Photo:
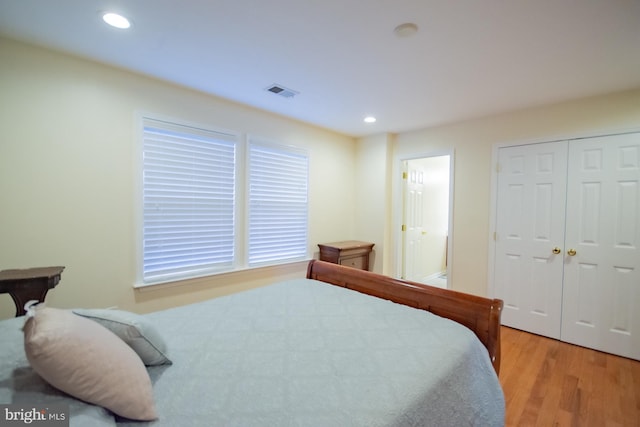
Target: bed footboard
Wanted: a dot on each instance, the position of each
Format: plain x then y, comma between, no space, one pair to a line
481,315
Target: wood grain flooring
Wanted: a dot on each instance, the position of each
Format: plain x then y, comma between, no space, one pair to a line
551,383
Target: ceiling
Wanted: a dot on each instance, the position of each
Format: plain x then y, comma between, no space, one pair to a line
468,59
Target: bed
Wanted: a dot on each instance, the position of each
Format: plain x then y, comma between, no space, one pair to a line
341,347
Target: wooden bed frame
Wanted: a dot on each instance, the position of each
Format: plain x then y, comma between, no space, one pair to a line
481,315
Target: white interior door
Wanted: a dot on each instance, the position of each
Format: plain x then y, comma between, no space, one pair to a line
602,279
530,215
414,223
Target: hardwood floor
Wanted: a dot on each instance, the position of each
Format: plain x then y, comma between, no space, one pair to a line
551,383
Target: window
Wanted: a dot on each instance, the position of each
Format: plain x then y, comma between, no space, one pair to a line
277,204
198,219
188,201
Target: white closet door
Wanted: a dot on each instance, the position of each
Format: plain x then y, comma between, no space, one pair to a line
530,215
601,303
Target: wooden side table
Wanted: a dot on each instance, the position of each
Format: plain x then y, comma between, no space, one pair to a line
28,284
351,253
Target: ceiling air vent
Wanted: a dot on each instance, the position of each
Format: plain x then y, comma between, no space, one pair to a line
282,91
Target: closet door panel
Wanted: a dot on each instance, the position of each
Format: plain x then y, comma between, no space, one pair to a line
529,225
601,298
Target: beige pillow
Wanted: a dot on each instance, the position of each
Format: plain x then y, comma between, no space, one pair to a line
89,362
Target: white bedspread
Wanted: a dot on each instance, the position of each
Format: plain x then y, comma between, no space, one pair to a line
306,353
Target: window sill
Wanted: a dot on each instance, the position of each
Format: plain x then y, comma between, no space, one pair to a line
249,272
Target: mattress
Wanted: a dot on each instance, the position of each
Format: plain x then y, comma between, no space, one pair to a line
297,353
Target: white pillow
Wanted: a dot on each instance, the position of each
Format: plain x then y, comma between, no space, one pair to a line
89,362
133,329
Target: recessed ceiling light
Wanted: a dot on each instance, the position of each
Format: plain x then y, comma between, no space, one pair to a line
116,20
369,119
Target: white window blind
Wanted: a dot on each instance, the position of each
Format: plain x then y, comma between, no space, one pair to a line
278,181
188,201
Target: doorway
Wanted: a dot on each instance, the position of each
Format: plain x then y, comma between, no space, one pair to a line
426,219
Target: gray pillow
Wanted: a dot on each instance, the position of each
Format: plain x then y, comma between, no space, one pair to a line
133,329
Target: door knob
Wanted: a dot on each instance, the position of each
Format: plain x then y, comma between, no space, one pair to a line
556,250
571,252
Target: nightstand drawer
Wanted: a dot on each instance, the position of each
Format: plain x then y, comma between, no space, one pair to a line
355,262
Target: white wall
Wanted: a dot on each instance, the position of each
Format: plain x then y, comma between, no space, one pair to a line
373,208
67,183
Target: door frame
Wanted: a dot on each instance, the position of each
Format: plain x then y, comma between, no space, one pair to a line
398,208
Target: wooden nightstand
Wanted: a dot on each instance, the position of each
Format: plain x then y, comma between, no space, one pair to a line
28,284
351,253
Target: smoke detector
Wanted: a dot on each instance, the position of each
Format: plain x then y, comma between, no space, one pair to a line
407,29
282,91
